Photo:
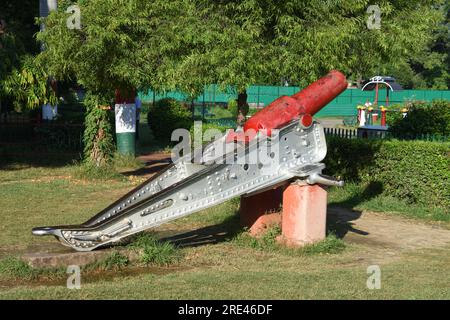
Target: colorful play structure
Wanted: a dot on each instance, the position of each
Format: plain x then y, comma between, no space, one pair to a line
373,109
369,113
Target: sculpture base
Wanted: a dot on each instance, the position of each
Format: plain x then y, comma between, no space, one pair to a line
303,220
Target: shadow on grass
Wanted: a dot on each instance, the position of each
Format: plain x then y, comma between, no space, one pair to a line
373,189
221,232
28,157
339,221
147,170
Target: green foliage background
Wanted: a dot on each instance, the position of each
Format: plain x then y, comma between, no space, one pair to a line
29,85
166,116
422,119
185,44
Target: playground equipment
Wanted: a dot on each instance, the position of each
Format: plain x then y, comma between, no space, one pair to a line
283,134
372,114
377,81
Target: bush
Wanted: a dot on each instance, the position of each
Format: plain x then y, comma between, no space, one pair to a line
394,114
233,107
422,119
414,171
167,115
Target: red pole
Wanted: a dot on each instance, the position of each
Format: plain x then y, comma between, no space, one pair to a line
376,94
383,116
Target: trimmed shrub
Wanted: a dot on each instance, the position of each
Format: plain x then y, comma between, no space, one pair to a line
414,171
167,115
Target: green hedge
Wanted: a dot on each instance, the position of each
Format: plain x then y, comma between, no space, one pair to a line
415,171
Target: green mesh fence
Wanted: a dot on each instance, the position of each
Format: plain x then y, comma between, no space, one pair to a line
344,105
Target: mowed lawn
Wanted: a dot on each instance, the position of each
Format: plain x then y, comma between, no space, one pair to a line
221,269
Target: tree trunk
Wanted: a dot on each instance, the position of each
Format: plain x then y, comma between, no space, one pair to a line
242,107
359,81
193,108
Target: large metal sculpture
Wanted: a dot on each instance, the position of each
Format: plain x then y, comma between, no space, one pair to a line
284,132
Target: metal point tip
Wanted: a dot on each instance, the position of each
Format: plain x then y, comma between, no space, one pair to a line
43,231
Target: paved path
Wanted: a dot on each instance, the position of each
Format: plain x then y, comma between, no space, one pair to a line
330,122
385,236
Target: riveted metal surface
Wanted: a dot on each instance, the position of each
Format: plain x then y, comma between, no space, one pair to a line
172,195
226,169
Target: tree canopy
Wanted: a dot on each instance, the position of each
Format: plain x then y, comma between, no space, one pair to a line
17,29
299,41
121,43
185,44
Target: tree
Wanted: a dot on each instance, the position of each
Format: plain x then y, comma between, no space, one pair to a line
23,81
185,44
433,63
21,24
30,85
10,50
247,42
122,44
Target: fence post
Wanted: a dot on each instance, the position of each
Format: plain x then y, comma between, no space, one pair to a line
257,99
203,104
214,95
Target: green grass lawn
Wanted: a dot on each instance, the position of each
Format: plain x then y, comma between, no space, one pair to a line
217,262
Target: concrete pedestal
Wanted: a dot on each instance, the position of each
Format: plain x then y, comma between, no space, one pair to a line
303,220
304,214
257,212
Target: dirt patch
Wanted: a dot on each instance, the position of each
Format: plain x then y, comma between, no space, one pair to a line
384,237
155,157
154,163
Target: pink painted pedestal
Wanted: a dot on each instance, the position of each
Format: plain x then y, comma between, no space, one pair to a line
304,214
302,221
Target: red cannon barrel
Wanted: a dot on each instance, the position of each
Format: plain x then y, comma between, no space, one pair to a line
303,104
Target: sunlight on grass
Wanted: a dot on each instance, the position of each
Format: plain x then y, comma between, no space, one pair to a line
155,252
15,268
356,196
268,242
